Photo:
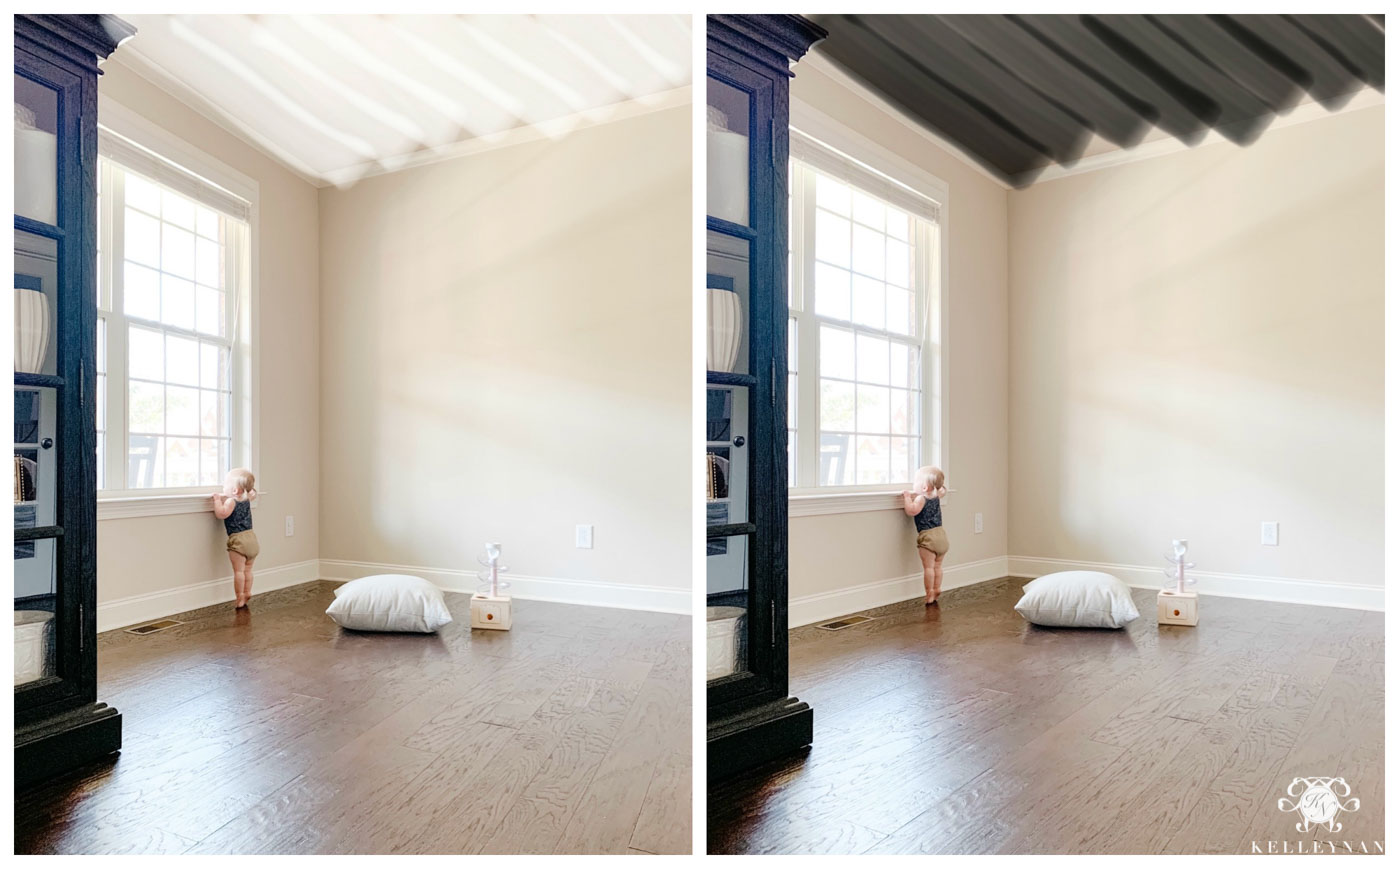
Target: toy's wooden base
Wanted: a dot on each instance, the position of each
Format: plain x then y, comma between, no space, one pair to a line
1177,608
490,613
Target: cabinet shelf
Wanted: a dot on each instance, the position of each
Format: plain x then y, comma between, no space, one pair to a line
730,378
44,532
26,379
35,227
733,530
728,227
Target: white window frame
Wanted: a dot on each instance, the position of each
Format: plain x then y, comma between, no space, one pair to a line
807,499
133,503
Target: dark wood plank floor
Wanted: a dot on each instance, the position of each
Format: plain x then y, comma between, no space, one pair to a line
962,729
274,731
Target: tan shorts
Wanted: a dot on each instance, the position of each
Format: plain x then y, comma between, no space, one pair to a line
245,544
934,540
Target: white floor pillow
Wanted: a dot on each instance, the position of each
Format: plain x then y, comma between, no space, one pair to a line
390,602
1078,599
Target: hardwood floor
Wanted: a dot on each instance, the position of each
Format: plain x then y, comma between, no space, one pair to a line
274,731
960,728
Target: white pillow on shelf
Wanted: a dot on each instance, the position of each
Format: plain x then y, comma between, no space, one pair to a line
389,602
1078,599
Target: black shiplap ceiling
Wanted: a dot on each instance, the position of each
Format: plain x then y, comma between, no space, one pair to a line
1023,92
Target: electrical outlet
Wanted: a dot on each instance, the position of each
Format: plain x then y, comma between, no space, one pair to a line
583,537
1270,534
976,523
291,525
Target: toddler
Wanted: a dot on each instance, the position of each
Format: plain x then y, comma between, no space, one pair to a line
924,504
234,505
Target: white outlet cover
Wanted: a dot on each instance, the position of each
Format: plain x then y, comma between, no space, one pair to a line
291,525
976,523
1270,534
584,537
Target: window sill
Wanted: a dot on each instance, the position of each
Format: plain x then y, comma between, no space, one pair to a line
140,506
831,503
843,502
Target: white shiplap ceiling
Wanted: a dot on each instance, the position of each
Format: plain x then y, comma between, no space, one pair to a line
338,97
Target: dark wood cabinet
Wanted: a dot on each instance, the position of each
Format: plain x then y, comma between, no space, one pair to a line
751,717
59,724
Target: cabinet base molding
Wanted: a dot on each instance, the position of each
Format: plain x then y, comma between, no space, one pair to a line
755,736
66,741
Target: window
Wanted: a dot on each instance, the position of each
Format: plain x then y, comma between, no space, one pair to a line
864,351
173,267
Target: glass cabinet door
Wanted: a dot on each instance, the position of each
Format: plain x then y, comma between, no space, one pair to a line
36,151
727,152
52,431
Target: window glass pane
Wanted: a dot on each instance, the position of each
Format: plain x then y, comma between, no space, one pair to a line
872,360
177,253
208,262
897,225
869,301
832,292
210,468
837,460
176,302
872,466
898,364
181,462
145,408
872,415
147,354
181,360
206,222
145,462
869,211
181,411
900,469
899,417
177,210
141,292
868,256
210,413
142,194
900,311
837,353
208,311
142,242
900,263
837,406
210,366
832,239
833,195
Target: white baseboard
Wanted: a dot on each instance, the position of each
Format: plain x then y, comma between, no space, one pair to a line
1313,592
574,591
134,610
811,608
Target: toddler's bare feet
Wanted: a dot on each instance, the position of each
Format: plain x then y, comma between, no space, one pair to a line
242,602
930,600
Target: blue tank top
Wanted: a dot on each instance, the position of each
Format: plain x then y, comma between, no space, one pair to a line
930,516
241,519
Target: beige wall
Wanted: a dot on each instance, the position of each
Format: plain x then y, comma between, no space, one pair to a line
505,353
148,555
1197,345
832,552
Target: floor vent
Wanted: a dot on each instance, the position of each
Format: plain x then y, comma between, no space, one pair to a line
842,624
153,627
